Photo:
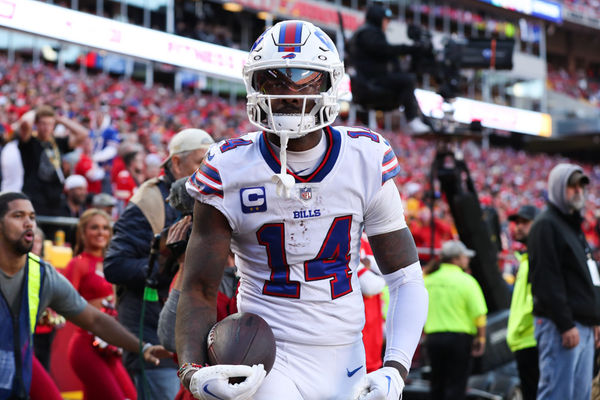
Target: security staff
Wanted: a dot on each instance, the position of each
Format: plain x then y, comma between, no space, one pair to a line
520,335
28,285
455,324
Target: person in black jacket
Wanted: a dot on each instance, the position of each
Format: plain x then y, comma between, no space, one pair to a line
127,259
565,285
377,65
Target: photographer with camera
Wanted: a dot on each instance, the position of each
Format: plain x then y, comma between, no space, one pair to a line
176,239
379,82
129,265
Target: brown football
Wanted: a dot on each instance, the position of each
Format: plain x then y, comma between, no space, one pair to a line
241,338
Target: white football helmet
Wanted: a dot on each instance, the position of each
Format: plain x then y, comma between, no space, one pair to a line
293,59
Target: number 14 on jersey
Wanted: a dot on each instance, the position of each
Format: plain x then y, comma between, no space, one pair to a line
330,263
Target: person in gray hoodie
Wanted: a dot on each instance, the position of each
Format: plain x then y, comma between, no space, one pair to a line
566,289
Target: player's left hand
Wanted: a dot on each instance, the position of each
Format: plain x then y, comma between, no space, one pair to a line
383,384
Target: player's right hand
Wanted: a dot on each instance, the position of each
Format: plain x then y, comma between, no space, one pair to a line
382,384
210,383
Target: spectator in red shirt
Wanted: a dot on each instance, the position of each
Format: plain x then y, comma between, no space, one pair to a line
88,168
421,230
128,180
96,363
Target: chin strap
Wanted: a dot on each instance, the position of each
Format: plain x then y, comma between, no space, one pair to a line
284,181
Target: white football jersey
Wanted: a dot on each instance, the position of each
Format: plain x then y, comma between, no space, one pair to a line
297,256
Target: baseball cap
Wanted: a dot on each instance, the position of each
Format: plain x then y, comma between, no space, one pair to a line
455,248
527,212
578,177
75,181
103,200
188,140
152,159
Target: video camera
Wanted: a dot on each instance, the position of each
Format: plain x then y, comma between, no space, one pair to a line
457,54
180,200
166,254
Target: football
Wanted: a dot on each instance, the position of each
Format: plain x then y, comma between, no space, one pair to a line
241,338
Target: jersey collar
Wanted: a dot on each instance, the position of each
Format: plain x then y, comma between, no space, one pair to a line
334,142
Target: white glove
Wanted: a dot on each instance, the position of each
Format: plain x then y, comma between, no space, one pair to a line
383,384
210,383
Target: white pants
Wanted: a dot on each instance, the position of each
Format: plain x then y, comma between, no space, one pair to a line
306,372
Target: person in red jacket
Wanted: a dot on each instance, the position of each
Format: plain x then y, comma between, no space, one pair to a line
97,364
128,179
89,168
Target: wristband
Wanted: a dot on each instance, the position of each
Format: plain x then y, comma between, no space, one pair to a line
481,339
146,346
481,321
185,368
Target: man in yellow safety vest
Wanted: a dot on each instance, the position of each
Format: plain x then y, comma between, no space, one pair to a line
520,336
27,285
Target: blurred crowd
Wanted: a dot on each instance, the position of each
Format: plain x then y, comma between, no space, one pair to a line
583,85
154,114
584,5
130,125
504,179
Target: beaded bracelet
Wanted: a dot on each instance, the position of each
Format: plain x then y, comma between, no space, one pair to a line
185,368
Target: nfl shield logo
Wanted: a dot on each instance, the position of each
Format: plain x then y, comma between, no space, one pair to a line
306,193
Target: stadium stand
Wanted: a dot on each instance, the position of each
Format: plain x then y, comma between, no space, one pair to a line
150,116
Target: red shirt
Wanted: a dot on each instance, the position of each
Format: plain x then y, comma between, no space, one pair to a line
422,235
124,186
83,166
373,329
85,273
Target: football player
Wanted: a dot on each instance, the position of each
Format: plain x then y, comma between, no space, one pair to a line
292,200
